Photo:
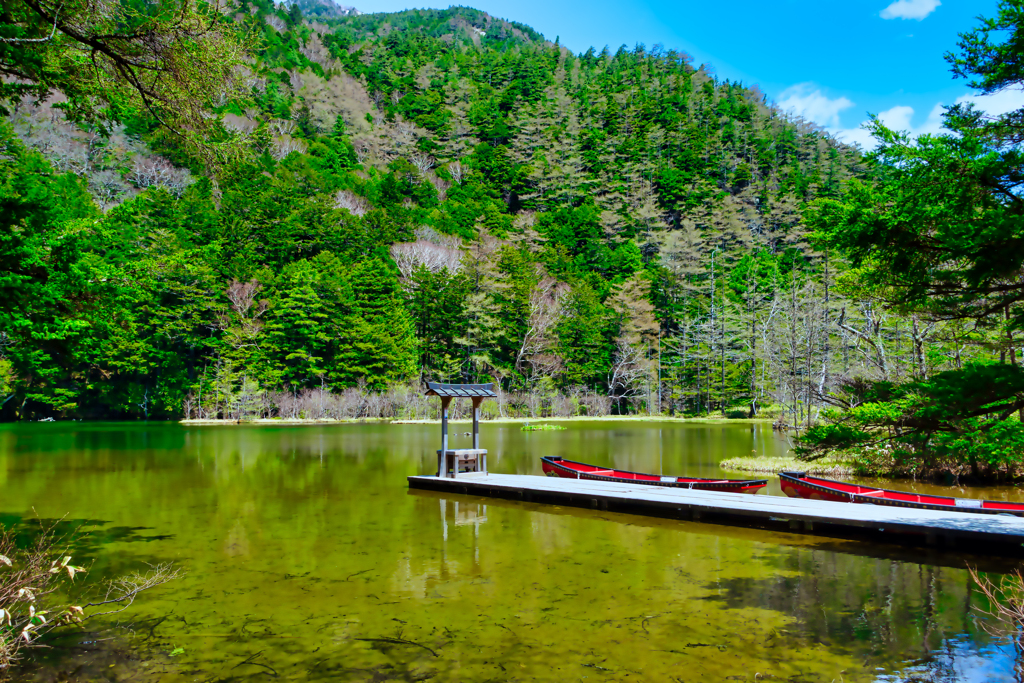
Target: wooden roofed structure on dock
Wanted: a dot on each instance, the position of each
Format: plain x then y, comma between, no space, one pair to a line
449,461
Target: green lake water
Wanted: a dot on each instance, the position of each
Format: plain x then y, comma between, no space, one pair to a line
309,558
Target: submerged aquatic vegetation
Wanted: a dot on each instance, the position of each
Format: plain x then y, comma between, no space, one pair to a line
540,428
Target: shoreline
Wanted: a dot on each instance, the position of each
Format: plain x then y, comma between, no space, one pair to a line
469,420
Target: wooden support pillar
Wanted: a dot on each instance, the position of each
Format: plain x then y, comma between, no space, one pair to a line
442,460
480,466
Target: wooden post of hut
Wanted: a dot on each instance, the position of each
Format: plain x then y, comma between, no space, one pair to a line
450,461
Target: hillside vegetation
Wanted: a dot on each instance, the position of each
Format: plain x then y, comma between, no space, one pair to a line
438,194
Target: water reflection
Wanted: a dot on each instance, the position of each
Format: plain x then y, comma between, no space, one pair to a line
959,660
309,558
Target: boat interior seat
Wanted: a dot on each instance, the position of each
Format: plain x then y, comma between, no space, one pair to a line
872,493
602,472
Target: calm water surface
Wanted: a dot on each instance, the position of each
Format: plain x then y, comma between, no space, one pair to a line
308,558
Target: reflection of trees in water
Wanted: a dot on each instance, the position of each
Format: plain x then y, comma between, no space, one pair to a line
876,608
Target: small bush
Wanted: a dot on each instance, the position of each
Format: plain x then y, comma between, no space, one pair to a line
32,577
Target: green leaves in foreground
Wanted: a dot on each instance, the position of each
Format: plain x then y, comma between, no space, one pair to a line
171,61
959,420
941,230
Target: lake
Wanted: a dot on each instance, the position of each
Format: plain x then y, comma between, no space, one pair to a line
308,558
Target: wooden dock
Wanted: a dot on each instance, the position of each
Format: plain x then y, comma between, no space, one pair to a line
989,534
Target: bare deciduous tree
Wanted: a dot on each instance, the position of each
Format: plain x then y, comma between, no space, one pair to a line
108,188
284,146
871,334
356,205
456,171
628,373
246,327
242,295
66,155
250,80
442,187
295,80
535,356
377,97
422,162
411,255
275,22
362,148
282,126
315,51
239,124
156,171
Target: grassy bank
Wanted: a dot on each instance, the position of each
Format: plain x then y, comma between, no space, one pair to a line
830,465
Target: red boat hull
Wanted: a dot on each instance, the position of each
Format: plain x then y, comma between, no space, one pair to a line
799,485
568,469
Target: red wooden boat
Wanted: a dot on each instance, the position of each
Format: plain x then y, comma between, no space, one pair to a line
799,485
560,467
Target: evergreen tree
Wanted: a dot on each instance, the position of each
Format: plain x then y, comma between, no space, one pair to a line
583,337
297,332
381,347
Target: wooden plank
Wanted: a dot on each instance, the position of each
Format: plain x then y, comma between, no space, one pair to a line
906,525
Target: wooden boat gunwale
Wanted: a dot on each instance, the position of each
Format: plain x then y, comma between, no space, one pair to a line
879,496
698,483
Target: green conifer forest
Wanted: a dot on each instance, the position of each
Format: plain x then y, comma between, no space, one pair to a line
353,203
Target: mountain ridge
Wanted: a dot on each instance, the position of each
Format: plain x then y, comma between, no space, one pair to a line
440,194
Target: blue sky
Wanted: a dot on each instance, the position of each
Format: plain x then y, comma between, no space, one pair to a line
831,61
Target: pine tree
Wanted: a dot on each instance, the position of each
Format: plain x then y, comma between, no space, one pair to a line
380,347
297,332
583,337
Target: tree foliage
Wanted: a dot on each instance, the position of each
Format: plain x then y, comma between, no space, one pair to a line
939,228
938,231
170,61
439,194
954,418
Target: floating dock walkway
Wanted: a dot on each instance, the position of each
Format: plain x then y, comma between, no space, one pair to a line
984,533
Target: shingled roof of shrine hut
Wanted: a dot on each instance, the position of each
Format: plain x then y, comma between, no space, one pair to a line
460,390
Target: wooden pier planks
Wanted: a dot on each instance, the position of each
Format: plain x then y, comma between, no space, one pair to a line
996,534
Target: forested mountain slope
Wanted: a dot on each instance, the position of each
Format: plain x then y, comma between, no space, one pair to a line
432,194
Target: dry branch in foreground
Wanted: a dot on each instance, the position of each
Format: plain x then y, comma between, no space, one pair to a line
30,580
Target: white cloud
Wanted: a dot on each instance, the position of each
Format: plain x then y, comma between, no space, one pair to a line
855,136
997,103
898,118
910,9
813,105
806,101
